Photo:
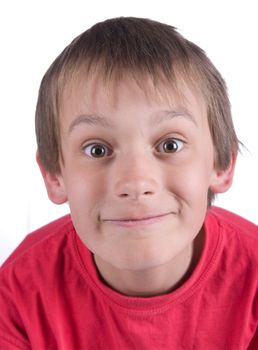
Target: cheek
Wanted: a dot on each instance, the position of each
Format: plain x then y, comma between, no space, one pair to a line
190,181
85,191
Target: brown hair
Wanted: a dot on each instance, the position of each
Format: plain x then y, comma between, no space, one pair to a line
138,47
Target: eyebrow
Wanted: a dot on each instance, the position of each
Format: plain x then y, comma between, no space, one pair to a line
94,119
171,114
90,119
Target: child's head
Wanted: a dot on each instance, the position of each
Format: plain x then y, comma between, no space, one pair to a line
134,130
141,49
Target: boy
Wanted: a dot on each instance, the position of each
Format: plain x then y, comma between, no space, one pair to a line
134,131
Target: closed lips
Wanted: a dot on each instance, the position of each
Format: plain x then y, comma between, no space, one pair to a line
136,219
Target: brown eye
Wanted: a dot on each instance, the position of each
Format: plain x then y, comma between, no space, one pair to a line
97,150
170,146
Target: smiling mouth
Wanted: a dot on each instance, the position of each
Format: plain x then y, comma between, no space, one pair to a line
134,222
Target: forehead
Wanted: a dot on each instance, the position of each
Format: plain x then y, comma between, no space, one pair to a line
93,94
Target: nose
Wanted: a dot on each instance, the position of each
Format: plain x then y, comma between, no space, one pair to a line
135,180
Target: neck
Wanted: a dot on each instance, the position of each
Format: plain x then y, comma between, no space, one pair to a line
156,280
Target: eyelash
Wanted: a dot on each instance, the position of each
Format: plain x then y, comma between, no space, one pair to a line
89,149
96,144
176,142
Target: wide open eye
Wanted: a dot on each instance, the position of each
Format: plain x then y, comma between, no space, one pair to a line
97,150
171,145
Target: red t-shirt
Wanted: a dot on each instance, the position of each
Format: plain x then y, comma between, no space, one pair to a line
51,296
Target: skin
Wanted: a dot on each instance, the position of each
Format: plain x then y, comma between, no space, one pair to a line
140,205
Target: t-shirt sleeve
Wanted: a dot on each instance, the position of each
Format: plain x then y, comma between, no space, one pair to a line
10,343
12,333
254,343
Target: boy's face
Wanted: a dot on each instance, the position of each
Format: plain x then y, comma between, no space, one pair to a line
136,172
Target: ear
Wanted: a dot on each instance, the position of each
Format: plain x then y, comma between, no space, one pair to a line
222,179
54,184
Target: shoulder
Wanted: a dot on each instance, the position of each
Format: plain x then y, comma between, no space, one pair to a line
49,235
239,236
237,258
31,276
44,257
233,222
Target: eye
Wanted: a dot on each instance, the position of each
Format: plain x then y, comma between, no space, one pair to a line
97,150
171,145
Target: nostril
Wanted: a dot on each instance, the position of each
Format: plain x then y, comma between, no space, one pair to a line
136,194
124,195
135,188
147,193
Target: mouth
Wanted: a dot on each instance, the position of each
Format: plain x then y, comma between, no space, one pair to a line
138,221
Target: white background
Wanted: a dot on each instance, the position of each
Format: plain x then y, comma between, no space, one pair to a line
32,34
